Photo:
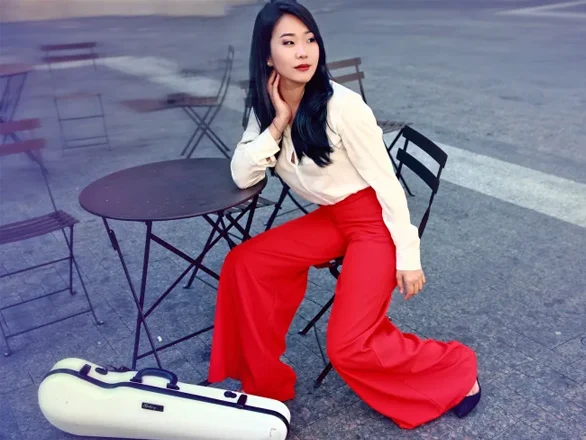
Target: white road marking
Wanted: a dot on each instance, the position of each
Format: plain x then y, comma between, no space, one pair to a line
550,10
547,194
165,73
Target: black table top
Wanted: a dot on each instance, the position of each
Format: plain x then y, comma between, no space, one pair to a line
169,190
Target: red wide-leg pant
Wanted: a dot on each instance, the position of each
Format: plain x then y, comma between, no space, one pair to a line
263,281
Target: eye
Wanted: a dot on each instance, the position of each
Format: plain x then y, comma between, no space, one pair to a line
287,43
311,40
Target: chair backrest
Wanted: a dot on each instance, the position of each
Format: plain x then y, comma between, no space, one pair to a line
226,77
345,78
54,53
245,85
431,179
84,78
30,146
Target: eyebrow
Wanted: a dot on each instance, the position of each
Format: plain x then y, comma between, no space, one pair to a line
290,34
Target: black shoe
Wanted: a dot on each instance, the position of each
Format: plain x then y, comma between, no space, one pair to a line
464,408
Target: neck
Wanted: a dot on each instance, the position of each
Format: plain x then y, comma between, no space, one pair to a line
292,93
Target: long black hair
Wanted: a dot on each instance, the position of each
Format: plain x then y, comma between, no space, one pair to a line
308,131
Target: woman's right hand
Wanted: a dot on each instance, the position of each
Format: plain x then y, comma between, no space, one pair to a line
282,110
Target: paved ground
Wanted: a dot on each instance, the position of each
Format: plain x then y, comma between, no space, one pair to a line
503,252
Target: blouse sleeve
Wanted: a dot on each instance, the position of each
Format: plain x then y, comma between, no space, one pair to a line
253,155
363,140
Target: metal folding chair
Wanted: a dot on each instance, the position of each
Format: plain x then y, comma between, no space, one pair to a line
212,106
57,57
431,179
37,226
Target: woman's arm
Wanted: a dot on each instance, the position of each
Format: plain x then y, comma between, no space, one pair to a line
254,153
363,141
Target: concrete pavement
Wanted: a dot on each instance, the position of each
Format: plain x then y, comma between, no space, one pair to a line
504,258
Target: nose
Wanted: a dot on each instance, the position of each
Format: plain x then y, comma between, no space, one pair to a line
301,52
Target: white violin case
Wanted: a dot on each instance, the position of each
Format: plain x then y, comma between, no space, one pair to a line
84,399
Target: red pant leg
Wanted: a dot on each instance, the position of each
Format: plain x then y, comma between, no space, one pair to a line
406,378
262,283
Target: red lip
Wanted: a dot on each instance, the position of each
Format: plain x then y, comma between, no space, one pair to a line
303,67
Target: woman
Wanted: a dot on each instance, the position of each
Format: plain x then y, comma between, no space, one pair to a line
323,141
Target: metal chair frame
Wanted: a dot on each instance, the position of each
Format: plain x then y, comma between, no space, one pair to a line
75,52
57,220
212,106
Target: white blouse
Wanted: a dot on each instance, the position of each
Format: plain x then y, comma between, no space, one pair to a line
359,160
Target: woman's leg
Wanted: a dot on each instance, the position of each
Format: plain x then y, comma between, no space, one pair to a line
262,283
408,379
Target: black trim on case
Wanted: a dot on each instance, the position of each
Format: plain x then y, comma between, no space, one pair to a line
240,404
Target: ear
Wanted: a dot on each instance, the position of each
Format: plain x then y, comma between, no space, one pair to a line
270,62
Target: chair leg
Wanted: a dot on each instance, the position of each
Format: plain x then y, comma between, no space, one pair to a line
277,207
317,317
71,291
299,205
104,122
8,351
70,244
191,279
323,375
208,245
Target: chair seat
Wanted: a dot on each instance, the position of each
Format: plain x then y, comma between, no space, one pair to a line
262,203
173,100
390,126
76,95
332,263
35,227
205,101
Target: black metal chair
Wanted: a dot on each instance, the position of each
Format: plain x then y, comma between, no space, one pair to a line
431,179
212,106
57,220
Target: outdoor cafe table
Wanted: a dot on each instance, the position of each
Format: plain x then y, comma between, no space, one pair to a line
170,191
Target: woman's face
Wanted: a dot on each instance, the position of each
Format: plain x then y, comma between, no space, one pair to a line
294,50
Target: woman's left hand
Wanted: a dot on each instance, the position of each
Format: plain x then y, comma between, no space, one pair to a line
410,282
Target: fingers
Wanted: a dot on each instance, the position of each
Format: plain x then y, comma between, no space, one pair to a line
400,283
271,82
276,87
412,285
411,290
273,87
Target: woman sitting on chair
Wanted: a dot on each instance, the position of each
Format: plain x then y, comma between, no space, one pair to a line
324,142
